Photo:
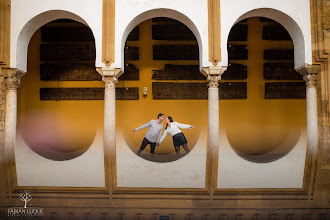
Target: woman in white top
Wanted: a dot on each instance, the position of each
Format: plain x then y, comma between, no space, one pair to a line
172,128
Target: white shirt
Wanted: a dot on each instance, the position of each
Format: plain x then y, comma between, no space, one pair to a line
173,129
154,132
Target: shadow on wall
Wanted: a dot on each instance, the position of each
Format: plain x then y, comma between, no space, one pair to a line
54,136
265,145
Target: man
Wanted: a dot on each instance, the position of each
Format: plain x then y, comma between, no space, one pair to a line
153,134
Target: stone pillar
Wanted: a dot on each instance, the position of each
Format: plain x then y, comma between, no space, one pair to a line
110,77
213,77
310,76
109,110
12,83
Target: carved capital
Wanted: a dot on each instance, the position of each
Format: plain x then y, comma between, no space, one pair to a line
13,78
110,82
213,74
310,74
109,75
12,83
311,80
213,81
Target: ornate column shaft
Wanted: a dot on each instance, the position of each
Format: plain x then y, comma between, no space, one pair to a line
213,77
310,76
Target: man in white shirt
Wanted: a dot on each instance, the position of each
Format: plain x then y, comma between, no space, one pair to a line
153,134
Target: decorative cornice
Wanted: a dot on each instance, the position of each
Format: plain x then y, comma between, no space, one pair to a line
108,32
214,26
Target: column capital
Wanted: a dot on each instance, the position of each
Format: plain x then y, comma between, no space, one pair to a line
109,81
109,75
311,80
213,74
13,78
310,74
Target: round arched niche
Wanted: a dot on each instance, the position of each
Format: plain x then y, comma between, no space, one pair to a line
154,71
32,26
301,40
269,122
167,14
51,121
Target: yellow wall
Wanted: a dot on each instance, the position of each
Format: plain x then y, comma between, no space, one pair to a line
253,125
72,124
257,125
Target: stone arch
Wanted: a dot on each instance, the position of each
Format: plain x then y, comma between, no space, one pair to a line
32,26
301,42
161,12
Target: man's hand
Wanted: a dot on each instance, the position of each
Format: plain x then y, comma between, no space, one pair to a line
134,130
192,126
157,144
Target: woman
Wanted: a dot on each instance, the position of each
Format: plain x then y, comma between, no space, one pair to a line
172,128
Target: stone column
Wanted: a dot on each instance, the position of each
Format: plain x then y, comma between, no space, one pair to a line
310,76
213,77
109,76
109,110
12,83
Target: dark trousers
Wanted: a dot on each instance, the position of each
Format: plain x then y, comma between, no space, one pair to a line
145,142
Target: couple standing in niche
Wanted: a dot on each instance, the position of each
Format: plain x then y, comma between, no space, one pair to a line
154,138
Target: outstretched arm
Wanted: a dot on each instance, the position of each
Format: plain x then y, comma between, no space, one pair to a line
183,126
143,126
163,136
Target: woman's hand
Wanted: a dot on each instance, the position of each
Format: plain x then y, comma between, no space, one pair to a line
192,126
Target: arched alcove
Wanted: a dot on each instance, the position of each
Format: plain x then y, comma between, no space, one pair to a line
55,120
161,55
31,27
162,12
302,53
269,123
